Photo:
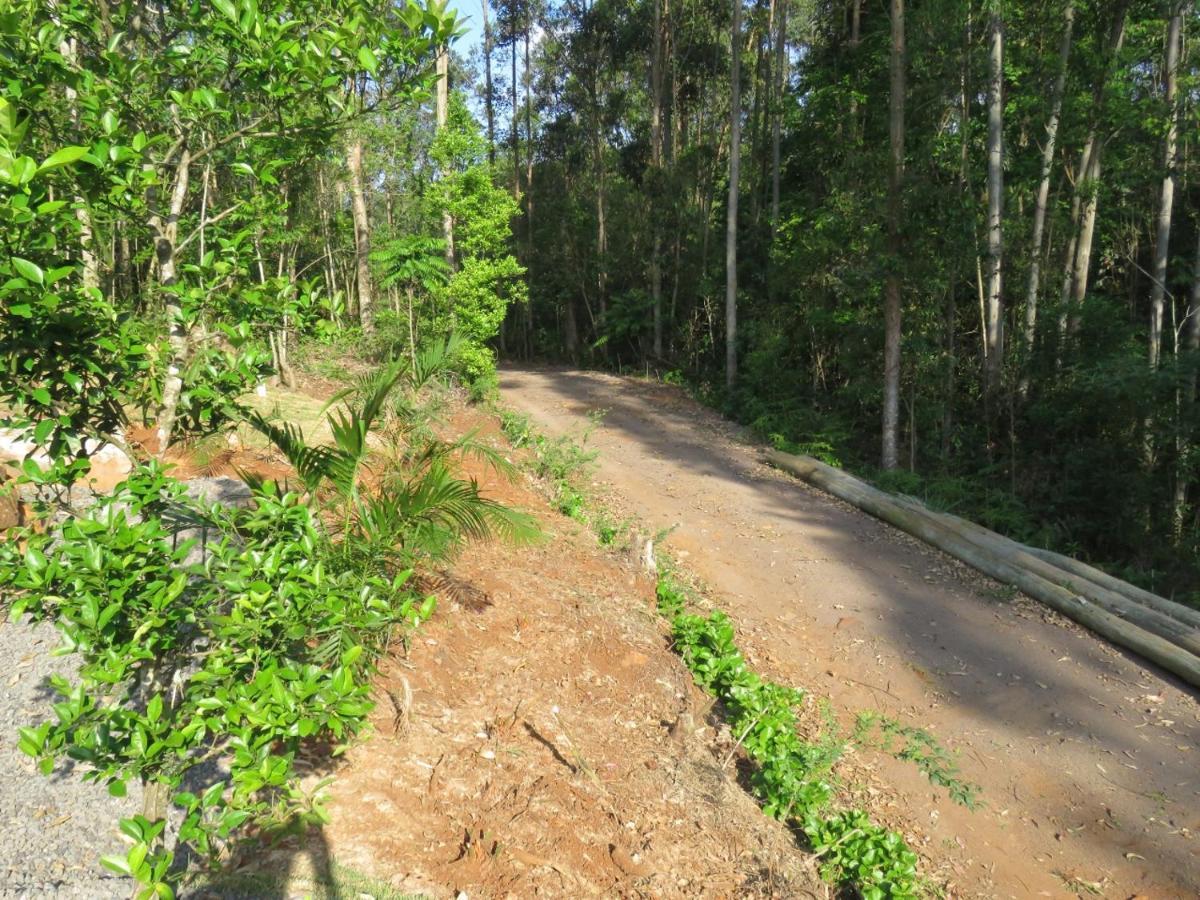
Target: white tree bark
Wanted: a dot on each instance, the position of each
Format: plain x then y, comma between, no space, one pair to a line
362,235
1043,195
166,234
443,114
1162,238
891,290
994,343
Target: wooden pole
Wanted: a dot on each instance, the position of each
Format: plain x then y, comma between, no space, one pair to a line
1150,646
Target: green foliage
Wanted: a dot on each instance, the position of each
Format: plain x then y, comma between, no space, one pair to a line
252,654
487,279
790,775
562,462
118,138
922,749
855,851
419,510
68,352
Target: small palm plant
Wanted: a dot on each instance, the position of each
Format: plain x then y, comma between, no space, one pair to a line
413,263
416,508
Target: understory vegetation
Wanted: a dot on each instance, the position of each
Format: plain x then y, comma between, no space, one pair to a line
172,180
219,643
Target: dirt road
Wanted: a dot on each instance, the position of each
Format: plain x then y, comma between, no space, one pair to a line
1087,759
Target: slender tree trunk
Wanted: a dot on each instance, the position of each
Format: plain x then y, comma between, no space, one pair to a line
1162,237
601,234
758,159
1043,195
951,314
330,265
442,113
513,137
123,264
489,100
83,215
994,344
166,233
891,290
1088,185
781,62
527,307
1186,400
656,135
731,217
1064,313
362,235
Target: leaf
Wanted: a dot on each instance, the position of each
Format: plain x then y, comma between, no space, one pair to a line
28,270
117,864
227,9
367,59
63,157
117,788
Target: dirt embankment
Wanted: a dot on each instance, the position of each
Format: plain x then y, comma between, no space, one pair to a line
540,738
1087,759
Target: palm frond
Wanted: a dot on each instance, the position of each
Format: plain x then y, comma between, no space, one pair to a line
435,358
312,463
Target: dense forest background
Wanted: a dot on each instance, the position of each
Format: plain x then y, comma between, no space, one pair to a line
971,223
952,244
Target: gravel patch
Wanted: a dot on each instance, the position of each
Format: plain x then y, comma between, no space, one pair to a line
55,827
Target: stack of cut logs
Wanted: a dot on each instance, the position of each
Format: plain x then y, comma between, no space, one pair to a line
1161,631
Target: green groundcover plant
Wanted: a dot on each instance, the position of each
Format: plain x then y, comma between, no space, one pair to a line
202,675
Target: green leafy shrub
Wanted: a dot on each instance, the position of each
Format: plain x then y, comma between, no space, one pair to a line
855,851
789,777
244,657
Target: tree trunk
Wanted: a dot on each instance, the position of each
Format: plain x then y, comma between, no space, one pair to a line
777,107
1043,195
487,81
362,236
656,133
1087,186
891,290
731,217
1162,238
327,247
1186,399
513,137
442,114
166,233
83,214
994,343
758,159
527,307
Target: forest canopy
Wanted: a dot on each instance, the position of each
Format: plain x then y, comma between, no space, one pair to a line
951,244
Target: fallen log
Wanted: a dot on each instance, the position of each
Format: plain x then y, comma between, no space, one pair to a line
1150,646
1174,630
1133,592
